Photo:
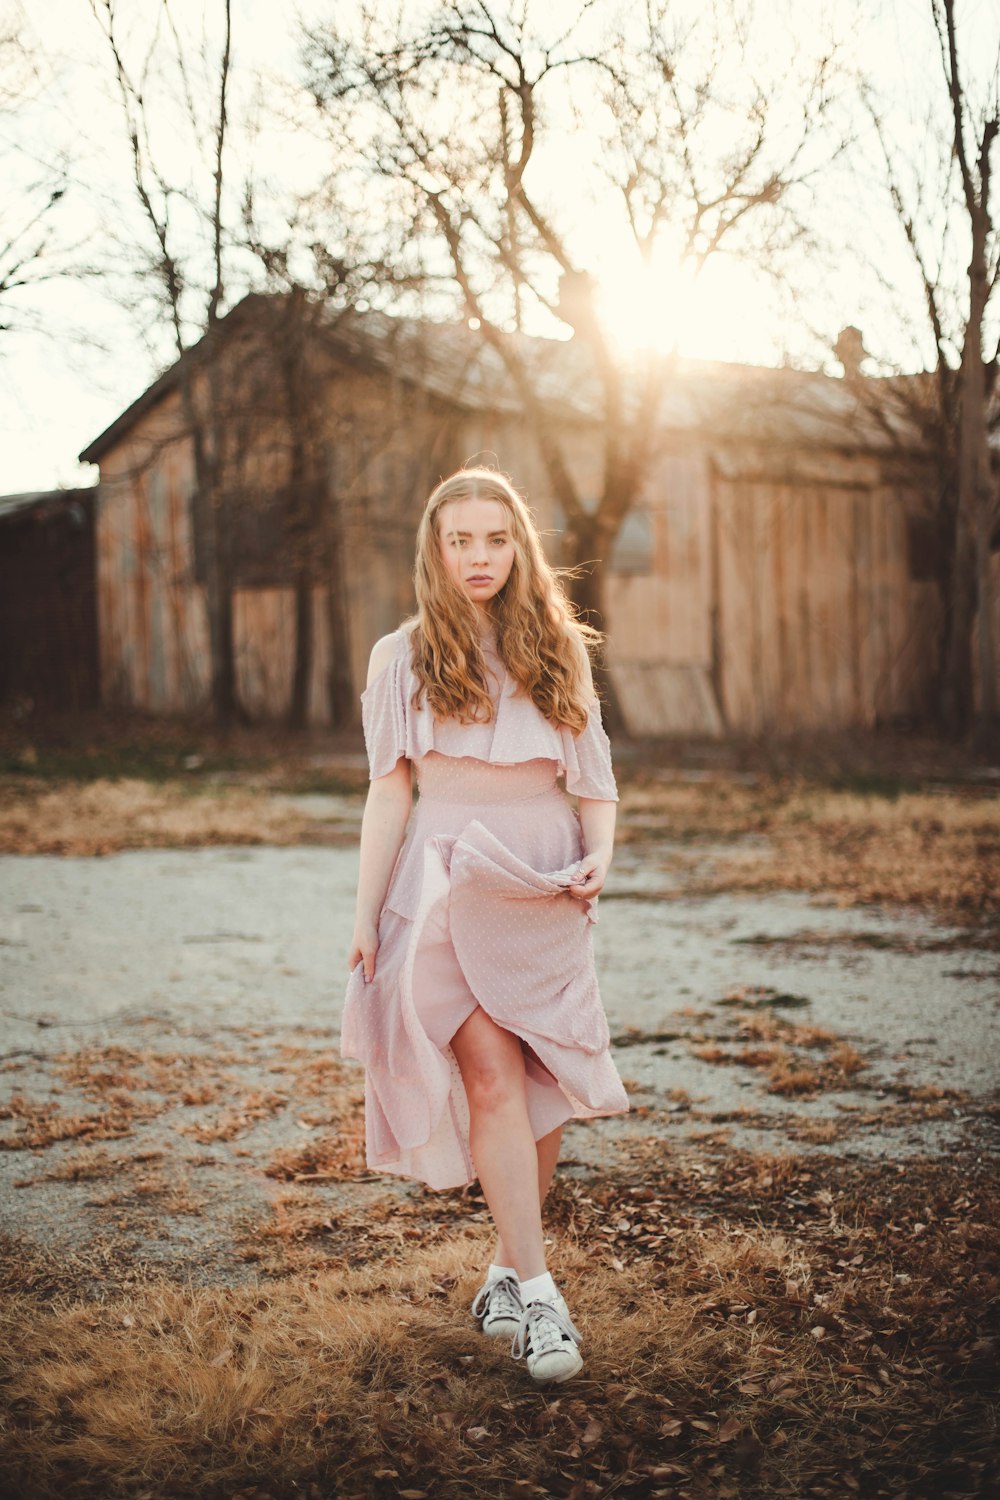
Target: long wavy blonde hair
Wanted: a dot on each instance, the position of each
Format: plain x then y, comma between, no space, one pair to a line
540,639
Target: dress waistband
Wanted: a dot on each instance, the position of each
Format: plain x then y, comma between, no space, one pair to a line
464,780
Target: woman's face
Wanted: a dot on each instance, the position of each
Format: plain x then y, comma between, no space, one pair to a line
476,546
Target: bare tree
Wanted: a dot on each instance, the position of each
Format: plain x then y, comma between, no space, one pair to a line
247,309
35,245
459,114
186,269
974,136
939,186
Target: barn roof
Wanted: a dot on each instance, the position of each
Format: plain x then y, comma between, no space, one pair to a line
459,365
43,504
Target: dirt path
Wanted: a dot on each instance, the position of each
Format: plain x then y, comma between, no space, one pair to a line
171,1020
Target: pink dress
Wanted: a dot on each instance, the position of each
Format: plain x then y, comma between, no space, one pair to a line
477,913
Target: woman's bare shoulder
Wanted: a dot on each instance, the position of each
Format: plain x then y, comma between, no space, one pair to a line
385,650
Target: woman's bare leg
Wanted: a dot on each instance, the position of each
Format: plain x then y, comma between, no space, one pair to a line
547,1151
501,1139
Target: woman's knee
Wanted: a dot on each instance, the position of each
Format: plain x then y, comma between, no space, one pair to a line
491,1063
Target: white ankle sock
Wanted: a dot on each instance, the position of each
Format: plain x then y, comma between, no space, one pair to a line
539,1289
494,1272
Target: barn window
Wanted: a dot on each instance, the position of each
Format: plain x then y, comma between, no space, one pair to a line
262,535
633,549
923,547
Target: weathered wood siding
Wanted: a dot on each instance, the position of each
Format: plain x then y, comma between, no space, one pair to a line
777,594
820,624
386,451
780,599
661,646
153,626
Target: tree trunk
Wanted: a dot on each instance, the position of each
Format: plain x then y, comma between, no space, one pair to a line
228,709
298,709
956,687
583,543
972,549
340,681
987,732
975,499
218,597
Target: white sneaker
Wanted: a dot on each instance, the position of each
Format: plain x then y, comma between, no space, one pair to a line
499,1307
547,1338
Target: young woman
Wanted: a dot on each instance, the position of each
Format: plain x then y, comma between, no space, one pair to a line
473,1001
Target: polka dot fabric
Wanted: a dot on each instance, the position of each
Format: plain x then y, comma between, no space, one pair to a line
477,913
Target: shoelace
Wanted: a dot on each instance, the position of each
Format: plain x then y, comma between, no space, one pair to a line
501,1297
546,1327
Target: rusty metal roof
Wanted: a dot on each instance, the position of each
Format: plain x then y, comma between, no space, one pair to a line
458,364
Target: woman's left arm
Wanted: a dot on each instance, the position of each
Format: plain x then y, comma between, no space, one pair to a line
597,819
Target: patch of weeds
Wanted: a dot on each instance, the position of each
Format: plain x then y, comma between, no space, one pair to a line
772,1044
753,996
143,760
873,784
336,782
633,1036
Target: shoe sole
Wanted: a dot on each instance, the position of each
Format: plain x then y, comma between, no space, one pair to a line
558,1379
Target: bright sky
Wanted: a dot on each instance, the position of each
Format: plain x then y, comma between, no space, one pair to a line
70,373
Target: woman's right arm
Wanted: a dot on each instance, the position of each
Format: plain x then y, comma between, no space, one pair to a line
383,826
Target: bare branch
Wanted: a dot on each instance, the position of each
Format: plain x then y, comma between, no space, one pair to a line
216,294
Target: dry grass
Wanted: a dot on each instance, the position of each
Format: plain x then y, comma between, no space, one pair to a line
754,1326
105,816
940,849
917,849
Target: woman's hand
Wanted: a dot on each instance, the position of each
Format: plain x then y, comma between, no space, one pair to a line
364,946
590,877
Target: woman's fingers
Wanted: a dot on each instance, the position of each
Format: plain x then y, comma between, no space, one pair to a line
589,879
363,955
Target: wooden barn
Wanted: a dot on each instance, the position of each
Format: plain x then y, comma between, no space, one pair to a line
770,577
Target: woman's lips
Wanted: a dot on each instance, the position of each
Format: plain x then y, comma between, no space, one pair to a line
479,578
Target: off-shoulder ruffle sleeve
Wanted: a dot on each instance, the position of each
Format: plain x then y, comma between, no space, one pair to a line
518,732
587,759
383,717
392,726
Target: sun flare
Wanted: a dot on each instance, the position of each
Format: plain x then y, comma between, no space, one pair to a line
720,311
